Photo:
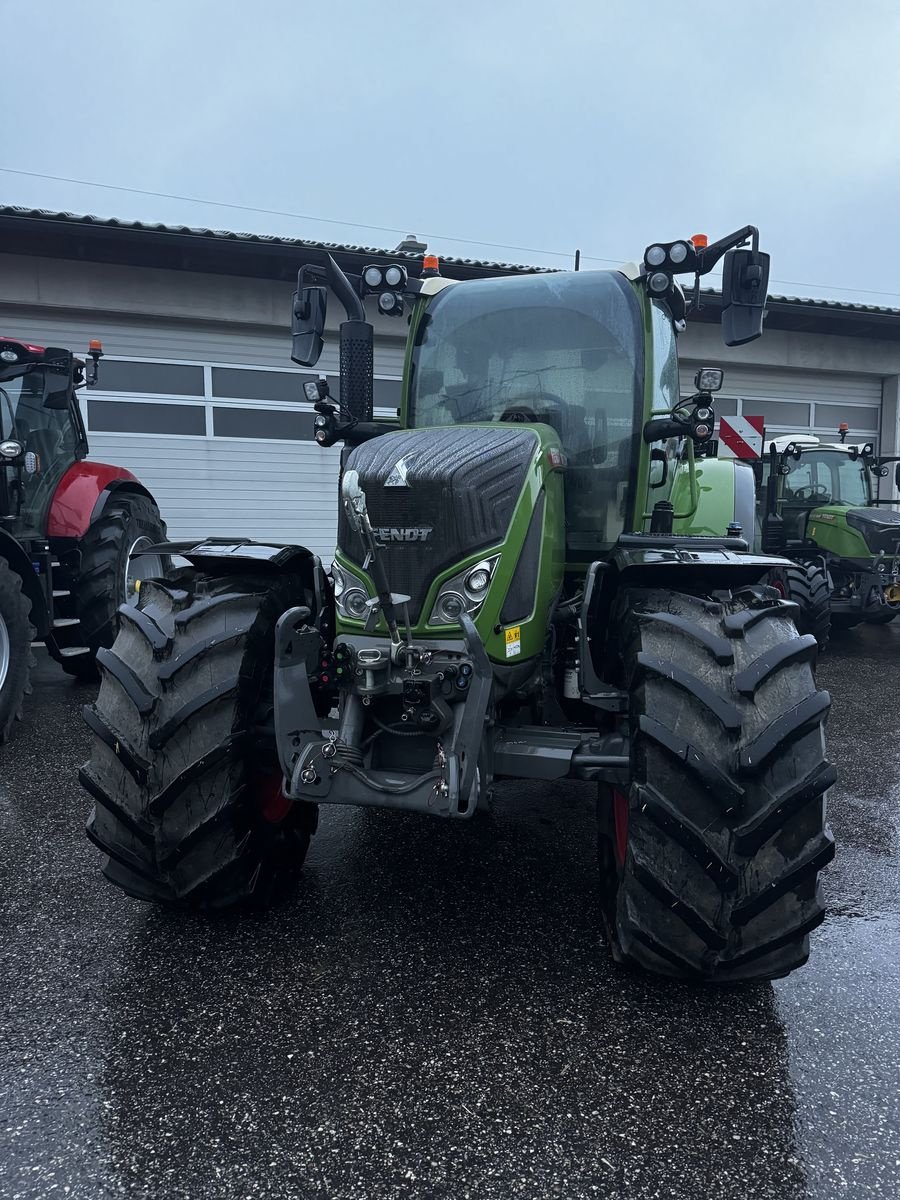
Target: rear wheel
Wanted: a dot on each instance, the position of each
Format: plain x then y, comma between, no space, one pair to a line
806,585
711,857
110,574
16,659
188,806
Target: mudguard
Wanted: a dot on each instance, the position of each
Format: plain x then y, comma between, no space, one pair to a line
231,554
82,494
675,561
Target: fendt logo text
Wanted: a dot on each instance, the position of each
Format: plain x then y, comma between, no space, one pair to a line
415,533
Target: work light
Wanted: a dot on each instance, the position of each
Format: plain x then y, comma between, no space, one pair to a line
709,379
390,304
395,276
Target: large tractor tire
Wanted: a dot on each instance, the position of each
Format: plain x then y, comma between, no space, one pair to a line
807,586
188,807
712,857
108,577
16,659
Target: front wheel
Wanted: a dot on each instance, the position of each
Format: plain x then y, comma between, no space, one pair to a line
711,855
807,586
15,648
188,803
112,567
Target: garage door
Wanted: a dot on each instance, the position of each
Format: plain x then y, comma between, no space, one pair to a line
219,434
799,401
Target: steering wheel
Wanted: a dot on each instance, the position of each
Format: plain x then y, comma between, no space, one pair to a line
519,414
816,491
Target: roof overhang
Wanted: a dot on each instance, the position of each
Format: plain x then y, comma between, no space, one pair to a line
45,234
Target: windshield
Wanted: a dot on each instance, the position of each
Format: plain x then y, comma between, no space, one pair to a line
48,436
827,477
564,349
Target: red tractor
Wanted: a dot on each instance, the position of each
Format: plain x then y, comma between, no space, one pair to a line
70,530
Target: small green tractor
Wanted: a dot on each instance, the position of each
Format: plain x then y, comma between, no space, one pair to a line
822,510
509,600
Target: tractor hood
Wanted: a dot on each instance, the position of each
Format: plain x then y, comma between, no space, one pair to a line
436,496
880,527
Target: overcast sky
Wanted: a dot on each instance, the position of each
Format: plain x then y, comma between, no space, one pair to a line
599,124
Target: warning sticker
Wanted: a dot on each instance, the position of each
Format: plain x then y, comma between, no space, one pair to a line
514,641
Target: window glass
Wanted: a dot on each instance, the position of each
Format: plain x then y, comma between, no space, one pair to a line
779,413
48,433
850,482
565,350
124,416
666,394
162,379
826,478
287,386
829,416
260,385
262,423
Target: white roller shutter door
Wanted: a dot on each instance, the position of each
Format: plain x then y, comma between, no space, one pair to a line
799,401
209,485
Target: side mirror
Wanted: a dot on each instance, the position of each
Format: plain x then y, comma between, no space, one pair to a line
745,283
897,476
308,309
59,366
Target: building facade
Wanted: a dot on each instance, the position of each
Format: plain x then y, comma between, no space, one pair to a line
198,395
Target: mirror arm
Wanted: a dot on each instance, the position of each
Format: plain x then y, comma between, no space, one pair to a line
344,290
710,255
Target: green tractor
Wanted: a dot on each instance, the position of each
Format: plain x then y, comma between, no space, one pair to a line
508,601
822,510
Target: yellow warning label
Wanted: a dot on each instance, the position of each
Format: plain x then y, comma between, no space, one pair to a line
513,641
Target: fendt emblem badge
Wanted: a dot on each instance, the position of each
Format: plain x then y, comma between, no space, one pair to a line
391,533
397,477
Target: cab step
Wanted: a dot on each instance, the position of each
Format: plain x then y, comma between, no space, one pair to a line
74,651
65,622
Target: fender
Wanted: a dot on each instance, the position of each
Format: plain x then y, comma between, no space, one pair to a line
20,562
648,560
82,494
231,555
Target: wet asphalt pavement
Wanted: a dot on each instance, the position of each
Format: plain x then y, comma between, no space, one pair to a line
434,1013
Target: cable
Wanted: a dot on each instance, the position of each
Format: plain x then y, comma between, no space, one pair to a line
277,212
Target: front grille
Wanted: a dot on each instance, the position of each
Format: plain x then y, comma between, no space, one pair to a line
462,485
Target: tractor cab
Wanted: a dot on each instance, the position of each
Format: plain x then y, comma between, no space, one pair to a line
564,351
41,430
816,475
823,507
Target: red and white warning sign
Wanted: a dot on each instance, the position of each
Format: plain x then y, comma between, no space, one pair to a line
741,437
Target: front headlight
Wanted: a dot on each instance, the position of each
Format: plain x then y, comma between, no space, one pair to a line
351,596
465,592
